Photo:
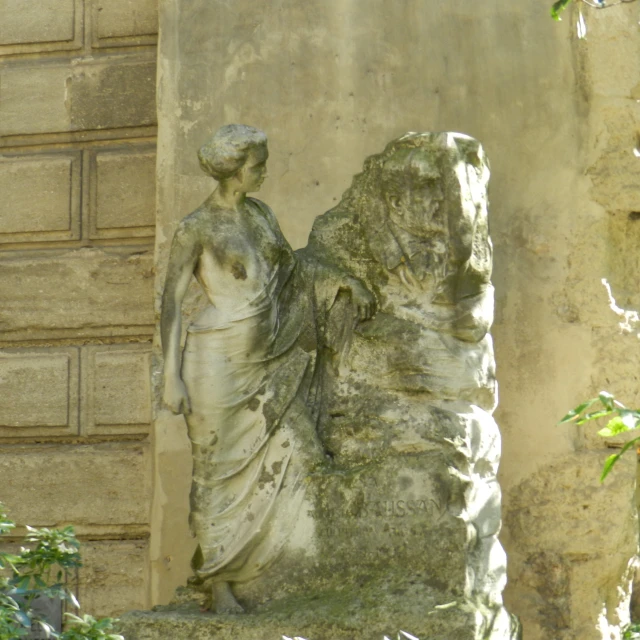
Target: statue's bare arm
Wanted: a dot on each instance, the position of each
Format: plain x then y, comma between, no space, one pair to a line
182,261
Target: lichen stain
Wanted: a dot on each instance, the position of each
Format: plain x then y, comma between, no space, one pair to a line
238,271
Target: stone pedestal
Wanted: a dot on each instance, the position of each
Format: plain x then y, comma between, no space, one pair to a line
329,616
405,541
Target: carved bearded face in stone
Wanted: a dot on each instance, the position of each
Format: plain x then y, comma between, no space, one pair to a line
413,191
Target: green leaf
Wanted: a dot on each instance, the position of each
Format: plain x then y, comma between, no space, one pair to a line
40,583
21,582
608,465
73,618
594,415
46,627
574,413
607,399
615,427
612,459
558,7
23,618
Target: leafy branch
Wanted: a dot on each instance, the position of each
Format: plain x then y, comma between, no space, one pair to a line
558,7
42,571
623,420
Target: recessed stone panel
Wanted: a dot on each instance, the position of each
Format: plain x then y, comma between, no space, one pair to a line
44,25
43,21
118,389
38,392
33,99
125,22
123,192
101,484
40,198
76,293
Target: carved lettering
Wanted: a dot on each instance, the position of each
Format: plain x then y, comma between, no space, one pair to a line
392,508
386,508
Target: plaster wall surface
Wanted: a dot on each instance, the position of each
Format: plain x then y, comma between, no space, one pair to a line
77,220
332,82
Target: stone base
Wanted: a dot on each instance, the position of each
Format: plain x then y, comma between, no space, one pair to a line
407,541
366,615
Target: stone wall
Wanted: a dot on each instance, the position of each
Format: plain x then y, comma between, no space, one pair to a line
77,220
569,538
331,82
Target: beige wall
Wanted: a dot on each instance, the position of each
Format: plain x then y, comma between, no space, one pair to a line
77,220
332,81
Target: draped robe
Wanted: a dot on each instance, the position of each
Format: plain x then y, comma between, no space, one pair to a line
248,365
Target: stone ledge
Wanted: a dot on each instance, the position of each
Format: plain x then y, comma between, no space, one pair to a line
367,614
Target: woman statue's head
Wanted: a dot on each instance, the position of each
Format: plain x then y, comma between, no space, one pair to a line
227,152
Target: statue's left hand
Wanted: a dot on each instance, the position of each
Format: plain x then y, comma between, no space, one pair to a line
363,299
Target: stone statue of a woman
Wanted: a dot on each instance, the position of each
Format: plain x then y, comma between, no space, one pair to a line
245,381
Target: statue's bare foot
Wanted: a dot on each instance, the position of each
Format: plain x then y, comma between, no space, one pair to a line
223,599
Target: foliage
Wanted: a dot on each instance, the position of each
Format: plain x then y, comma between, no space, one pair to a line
41,570
560,5
88,628
623,420
631,632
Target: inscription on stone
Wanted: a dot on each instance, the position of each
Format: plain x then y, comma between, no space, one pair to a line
395,508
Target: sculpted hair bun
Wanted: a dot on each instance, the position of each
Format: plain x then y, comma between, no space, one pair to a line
226,152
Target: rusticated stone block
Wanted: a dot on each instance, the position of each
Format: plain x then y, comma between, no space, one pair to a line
57,98
101,484
39,391
114,576
84,291
123,193
127,91
118,389
41,198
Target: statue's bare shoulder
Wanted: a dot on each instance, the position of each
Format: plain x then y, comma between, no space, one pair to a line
202,229
196,224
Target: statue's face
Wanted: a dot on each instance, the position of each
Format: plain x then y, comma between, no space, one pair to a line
416,208
254,171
